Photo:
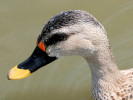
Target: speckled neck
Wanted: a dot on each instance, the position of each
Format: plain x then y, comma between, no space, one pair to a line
104,69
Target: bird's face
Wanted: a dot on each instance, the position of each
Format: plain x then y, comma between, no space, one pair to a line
67,41
64,35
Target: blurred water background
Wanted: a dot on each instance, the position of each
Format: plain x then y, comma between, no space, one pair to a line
21,21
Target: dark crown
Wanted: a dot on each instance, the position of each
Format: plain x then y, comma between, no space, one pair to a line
68,18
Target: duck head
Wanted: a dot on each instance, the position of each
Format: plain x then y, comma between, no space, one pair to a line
69,33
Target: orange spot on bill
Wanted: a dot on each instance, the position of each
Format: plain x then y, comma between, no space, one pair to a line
41,46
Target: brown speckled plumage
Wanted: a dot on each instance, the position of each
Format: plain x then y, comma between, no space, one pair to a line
123,92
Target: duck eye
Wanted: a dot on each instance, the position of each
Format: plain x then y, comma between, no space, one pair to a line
56,38
41,46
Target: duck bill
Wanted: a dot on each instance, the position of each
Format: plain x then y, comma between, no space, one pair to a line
37,60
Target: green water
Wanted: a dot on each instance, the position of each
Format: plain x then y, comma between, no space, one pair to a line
68,78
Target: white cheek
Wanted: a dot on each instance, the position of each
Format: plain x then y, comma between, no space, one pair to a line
52,52
49,52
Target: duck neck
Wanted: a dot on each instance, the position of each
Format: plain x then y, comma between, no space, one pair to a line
103,68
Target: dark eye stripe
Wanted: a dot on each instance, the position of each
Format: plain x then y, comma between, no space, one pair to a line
55,39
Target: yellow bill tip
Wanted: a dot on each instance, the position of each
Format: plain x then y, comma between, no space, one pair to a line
16,73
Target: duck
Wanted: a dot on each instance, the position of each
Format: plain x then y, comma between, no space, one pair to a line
77,32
